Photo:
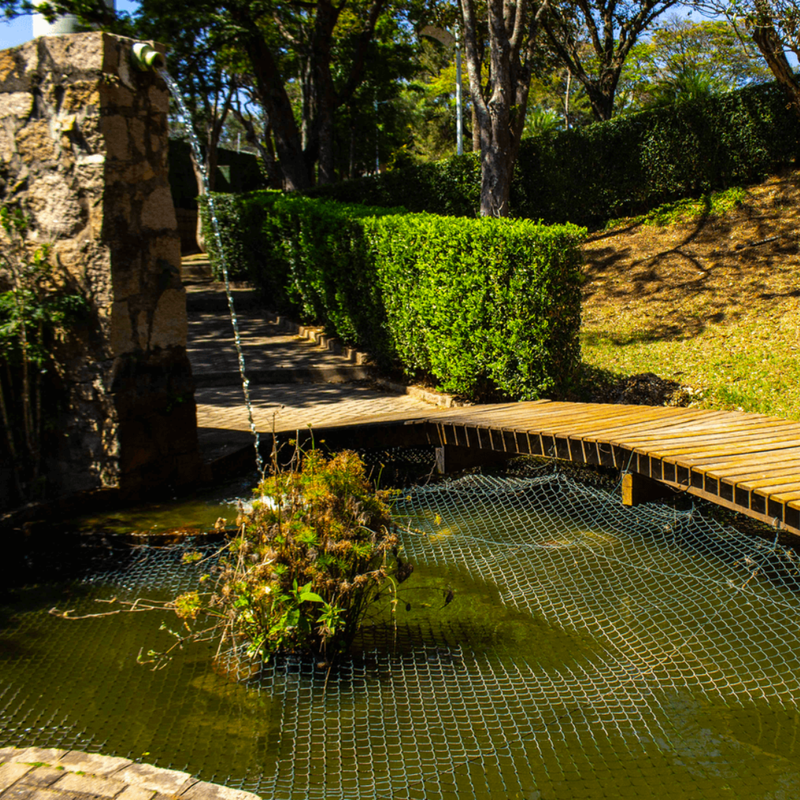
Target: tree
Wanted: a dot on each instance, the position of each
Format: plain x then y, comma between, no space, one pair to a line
500,103
592,38
773,26
683,59
320,46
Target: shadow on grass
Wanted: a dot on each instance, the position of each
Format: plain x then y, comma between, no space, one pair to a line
600,385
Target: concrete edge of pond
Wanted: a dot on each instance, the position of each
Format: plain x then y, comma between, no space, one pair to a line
51,774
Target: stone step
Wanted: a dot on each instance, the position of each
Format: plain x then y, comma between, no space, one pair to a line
213,299
346,373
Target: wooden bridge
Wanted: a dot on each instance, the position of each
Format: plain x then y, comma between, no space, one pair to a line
746,462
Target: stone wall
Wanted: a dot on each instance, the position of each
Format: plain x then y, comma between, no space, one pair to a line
83,149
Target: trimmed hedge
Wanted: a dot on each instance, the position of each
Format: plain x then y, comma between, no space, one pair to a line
626,166
479,305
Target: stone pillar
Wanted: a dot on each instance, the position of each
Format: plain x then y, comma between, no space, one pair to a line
83,149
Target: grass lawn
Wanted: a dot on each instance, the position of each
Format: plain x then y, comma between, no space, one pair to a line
711,302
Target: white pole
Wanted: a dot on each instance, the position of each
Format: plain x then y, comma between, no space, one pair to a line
459,105
377,134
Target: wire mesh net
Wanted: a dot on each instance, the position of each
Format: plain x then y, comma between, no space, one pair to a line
551,643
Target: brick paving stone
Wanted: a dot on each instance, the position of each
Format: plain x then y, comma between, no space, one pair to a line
136,793
168,781
89,784
42,776
11,773
130,781
93,763
213,791
37,755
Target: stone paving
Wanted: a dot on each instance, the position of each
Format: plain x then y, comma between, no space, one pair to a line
304,396
35,773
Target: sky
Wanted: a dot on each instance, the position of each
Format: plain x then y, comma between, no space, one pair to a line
19,31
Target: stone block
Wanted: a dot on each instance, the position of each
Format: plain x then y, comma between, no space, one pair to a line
159,98
81,98
12,77
42,776
169,326
16,104
6,753
86,784
8,144
115,137
56,206
66,55
158,212
122,338
213,791
34,142
10,773
136,793
38,755
166,781
94,764
137,133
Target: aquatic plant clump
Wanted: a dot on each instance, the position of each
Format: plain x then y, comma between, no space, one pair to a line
315,550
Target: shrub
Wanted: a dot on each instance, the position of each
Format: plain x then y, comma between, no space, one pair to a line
312,556
618,168
479,305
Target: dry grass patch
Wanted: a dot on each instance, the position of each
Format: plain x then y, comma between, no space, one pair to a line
711,303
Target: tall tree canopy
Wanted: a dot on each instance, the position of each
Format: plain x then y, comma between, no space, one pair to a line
683,58
774,27
592,38
314,53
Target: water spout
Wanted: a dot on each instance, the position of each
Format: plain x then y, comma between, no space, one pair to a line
145,57
198,154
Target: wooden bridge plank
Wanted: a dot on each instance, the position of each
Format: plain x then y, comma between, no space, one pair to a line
691,456
722,466
617,429
732,445
748,429
747,469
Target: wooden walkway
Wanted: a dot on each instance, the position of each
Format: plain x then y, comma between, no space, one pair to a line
746,462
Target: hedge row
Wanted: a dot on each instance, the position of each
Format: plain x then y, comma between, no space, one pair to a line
626,166
479,305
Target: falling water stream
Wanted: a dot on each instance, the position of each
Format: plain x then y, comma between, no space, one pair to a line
223,261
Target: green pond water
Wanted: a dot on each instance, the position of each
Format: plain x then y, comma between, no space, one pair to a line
589,651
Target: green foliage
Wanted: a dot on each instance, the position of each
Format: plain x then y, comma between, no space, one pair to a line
622,167
451,187
314,553
714,204
683,59
236,172
34,311
479,305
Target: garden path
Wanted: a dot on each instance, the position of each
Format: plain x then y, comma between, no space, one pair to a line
294,382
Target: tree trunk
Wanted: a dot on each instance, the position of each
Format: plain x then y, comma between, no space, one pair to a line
602,102
496,173
272,96
769,43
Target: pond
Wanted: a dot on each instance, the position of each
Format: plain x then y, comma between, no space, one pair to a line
550,643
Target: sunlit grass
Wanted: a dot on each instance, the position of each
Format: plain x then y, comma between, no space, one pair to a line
712,303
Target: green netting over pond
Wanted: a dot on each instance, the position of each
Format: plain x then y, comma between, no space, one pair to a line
590,650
